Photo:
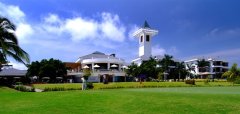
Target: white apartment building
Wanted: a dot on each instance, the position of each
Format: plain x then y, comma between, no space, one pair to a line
215,68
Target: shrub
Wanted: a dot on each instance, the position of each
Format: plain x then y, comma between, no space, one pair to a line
237,81
18,83
89,85
24,89
206,81
192,82
32,89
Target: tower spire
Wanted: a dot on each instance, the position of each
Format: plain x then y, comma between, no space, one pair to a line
146,25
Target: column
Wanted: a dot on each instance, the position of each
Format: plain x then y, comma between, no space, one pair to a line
92,67
108,66
211,69
119,67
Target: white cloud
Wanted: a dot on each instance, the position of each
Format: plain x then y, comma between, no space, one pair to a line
111,27
23,31
224,53
17,16
80,28
52,19
131,31
12,12
157,50
18,66
224,33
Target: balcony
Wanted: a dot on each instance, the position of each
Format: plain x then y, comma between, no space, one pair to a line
220,64
99,72
203,69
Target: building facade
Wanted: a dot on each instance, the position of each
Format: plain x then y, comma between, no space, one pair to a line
10,75
216,67
102,67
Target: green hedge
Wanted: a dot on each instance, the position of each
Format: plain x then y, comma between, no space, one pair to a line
116,85
191,82
24,89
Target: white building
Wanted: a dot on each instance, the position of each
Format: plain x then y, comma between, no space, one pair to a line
214,70
144,36
101,66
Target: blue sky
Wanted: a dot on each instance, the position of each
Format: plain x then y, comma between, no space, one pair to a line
67,29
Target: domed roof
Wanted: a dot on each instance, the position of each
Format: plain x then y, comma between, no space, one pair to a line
96,54
99,53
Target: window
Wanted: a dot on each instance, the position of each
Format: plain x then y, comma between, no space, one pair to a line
141,38
147,38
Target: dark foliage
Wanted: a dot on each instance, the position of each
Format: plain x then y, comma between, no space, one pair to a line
47,68
192,82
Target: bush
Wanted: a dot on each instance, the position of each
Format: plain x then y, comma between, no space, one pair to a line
206,81
18,83
192,82
32,89
89,85
24,89
237,81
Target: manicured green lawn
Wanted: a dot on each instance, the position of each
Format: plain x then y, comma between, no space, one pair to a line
6,89
124,101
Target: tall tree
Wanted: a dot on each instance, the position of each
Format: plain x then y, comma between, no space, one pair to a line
9,44
149,69
47,68
203,65
165,63
233,74
180,67
133,70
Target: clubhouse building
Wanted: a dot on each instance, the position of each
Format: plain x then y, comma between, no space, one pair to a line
102,66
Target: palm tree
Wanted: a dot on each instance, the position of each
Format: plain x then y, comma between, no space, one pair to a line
181,69
203,65
190,68
233,74
9,43
133,70
165,63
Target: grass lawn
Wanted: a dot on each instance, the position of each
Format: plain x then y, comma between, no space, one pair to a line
6,89
136,100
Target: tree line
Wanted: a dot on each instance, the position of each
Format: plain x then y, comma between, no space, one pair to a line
51,68
161,69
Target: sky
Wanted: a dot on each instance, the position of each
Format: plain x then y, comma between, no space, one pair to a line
68,29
